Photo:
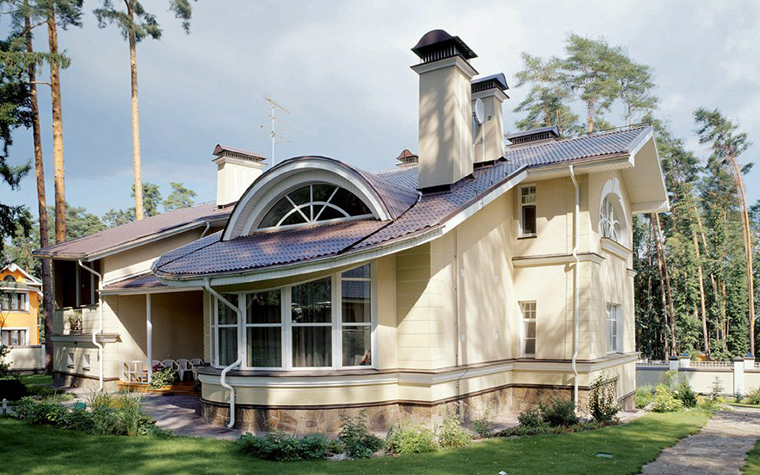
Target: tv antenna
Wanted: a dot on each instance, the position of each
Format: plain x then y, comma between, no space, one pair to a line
273,108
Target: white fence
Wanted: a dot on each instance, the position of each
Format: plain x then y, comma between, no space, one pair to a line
26,358
742,375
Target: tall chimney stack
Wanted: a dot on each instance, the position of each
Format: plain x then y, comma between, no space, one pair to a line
236,170
490,90
445,146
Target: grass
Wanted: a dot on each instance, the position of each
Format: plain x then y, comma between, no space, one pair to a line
753,461
46,450
34,379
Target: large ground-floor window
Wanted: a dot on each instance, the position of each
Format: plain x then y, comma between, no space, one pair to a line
324,323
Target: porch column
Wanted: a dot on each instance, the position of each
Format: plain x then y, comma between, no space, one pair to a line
149,319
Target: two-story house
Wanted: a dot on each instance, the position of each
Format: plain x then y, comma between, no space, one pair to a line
470,277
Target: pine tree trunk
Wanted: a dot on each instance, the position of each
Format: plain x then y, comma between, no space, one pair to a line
47,287
139,213
701,294
590,119
55,94
656,240
661,245
747,250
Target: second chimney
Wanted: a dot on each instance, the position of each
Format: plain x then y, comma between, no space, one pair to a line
236,170
490,90
445,146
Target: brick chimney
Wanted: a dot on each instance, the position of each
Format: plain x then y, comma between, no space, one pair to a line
445,129
236,170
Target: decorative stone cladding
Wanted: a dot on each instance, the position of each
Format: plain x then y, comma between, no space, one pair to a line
81,381
326,419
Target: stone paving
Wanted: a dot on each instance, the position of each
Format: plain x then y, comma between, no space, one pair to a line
720,448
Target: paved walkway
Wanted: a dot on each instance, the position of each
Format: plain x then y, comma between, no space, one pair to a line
182,414
720,448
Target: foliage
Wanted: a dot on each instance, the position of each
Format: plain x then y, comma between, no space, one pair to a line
716,389
5,367
180,197
11,388
403,439
753,396
686,395
603,399
669,379
531,418
163,377
559,412
665,400
483,424
545,429
738,396
40,449
451,435
644,395
282,447
355,436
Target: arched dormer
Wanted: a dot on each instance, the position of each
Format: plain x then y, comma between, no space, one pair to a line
613,221
309,190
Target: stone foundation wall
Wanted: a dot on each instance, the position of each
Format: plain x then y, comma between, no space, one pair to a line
326,420
79,381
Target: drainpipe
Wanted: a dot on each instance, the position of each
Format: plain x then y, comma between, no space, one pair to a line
208,224
100,312
576,278
239,361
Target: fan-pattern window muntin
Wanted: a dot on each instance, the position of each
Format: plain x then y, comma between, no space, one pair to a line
313,203
609,224
326,323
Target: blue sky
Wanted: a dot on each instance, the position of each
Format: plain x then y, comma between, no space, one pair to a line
342,68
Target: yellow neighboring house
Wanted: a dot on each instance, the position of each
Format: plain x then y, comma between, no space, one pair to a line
19,311
471,277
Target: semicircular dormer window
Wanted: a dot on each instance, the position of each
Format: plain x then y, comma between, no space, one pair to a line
609,222
314,203
9,278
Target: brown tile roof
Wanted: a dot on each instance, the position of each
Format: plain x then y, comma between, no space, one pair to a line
140,282
211,256
114,238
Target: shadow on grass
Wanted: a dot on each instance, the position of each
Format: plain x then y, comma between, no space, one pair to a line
37,450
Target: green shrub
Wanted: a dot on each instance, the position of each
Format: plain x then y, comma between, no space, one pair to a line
105,421
38,413
355,436
716,389
78,418
314,447
664,400
451,435
603,399
273,446
686,395
559,412
670,378
644,396
545,429
410,440
335,447
482,425
753,396
531,418
131,418
163,377
11,388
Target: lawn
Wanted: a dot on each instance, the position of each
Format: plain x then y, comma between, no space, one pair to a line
32,379
753,461
38,450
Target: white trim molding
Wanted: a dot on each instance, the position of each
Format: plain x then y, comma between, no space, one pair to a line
555,259
615,248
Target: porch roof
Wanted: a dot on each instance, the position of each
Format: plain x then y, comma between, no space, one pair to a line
137,283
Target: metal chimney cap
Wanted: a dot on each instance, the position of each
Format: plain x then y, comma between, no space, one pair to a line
437,39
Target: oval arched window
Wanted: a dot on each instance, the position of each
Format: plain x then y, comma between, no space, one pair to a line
313,203
609,224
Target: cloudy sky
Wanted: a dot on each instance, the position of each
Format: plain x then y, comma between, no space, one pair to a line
342,69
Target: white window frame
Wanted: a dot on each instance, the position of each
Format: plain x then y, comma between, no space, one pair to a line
521,205
336,325
523,322
613,320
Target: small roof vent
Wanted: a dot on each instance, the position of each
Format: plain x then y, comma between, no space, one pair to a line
229,152
407,158
494,81
532,137
438,44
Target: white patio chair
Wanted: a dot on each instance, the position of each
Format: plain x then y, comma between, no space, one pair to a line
183,366
194,363
169,363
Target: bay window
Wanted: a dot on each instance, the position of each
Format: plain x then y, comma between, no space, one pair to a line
324,323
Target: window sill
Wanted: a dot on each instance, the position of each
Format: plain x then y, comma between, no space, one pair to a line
278,373
527,236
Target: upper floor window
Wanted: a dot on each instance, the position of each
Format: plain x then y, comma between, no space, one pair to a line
609,222
14,337
13,302
528,211
9,278
312,203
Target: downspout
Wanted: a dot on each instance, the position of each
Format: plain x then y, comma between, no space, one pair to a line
239,361
100,328
576,278
205,230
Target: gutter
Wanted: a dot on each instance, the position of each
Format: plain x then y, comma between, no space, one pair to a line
239,361
100,312
576,278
